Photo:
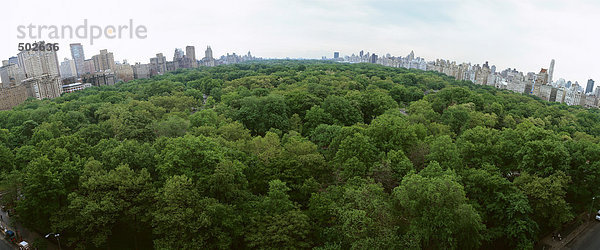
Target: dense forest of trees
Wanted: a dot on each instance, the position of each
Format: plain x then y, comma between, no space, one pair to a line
298,154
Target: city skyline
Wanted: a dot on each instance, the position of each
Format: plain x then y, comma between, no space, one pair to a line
513,34
101,69
340,56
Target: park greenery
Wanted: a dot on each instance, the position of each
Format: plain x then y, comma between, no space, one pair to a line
298,155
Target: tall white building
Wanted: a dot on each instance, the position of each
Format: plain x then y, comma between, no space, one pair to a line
42,73
38,63
551,72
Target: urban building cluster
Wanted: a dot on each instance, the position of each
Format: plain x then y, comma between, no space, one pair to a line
39,74
540,84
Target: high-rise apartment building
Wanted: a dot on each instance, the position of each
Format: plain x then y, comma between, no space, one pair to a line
208,59
159,64
178,61
190,52
11,75
38,63
190,57
208,53
68,68
44,86
124,72
37,74
104,61
141,71
78,57
88,67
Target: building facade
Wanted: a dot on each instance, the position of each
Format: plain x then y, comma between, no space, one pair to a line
70,88
141,71
68,69
11,75
158,64
78,58
38,63
590,86
100,78
104,61
124,72
12,96
88,67
43,87
208,59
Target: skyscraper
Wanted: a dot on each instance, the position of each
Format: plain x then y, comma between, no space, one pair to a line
551,72
373,58
208,59
336,55
590,86
208,53
78,57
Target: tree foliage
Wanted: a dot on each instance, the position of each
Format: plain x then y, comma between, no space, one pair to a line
298,154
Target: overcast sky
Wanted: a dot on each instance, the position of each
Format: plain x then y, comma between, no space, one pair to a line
522,34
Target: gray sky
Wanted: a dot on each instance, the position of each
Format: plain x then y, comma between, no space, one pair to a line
522,34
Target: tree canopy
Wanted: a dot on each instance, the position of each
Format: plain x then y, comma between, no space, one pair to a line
298,155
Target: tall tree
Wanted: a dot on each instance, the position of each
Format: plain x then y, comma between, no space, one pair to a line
434,204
